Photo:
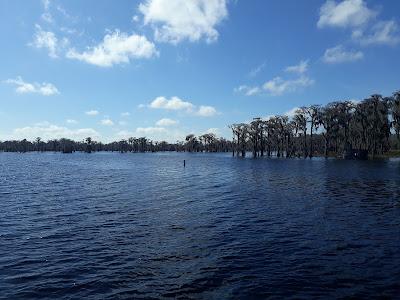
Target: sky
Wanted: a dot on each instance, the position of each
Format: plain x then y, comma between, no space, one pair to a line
166,68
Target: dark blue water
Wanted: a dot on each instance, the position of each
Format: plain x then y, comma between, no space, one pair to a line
109,226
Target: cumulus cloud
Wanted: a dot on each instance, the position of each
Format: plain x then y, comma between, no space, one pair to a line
206,111
177,20
116,48
71,121
339,54
347,13
355,14
166,122
107,122
125,114
176,103
22,87
50,131
278,86
92,112
301,68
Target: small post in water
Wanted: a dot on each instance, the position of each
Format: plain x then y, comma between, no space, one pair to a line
184,163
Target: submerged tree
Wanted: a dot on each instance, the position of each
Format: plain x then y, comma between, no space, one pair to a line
395,105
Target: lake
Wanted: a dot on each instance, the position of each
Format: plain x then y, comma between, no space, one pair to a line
110,225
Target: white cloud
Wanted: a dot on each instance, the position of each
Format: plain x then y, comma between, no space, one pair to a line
107,122
150,130
383,33
49,131
339,54
125,114
116,48
46,4
166,122
124,134
279,86
42,124
206,111
292,112
155,133
247,90
45,40
22,87
301,68
347,13
174,103
214,130
92,112
71,121
177,20
47,17
135,18
256,70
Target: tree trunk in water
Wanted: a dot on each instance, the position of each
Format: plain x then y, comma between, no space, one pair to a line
311,142
326,147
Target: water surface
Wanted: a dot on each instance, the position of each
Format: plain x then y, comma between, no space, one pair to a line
106,226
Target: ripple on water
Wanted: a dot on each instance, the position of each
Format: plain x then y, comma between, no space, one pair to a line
140,226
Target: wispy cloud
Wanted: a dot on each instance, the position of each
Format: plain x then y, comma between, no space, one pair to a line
300,68
254,72
248,90
278,86
22,87
45,40
382,33
339,54
46,15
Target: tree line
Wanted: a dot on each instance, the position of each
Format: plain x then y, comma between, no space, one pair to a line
369,127
204,143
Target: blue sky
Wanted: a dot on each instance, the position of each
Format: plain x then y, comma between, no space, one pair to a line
166,68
